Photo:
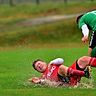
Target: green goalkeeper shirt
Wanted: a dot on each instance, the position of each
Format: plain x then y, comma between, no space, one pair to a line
89,19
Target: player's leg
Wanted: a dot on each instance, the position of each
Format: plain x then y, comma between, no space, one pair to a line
72,72
86,61
92,62
68,71
83,62
89,51
92,43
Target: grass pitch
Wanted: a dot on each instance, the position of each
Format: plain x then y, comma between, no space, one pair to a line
15,70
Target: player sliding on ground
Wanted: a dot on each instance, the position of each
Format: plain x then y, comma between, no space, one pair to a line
56,71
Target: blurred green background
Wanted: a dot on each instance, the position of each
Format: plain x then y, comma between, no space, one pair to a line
13,32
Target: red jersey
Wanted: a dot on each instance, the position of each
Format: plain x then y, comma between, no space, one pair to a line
51,73
74,79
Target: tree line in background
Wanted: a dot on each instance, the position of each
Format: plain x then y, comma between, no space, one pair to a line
12,2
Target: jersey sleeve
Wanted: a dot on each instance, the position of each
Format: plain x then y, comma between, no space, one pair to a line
57,61
81,23
85,30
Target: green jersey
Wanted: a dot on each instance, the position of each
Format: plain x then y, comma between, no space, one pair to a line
89,19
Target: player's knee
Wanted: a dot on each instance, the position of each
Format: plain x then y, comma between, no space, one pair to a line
84,60
62,70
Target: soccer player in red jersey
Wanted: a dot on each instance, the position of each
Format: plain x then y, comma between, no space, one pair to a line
56,71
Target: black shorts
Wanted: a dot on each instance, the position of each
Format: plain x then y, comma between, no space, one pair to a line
92,42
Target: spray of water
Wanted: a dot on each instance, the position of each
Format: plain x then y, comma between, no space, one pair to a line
88,84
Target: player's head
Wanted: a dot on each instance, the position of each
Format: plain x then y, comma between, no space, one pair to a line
78,18
93,53
39,65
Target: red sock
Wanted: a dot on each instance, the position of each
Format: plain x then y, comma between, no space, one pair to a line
92,62
73,72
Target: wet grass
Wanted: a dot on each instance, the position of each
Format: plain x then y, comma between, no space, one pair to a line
15,70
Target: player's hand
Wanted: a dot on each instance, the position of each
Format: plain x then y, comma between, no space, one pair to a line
85,39
35,80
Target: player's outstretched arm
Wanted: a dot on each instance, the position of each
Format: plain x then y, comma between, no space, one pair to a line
34,80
